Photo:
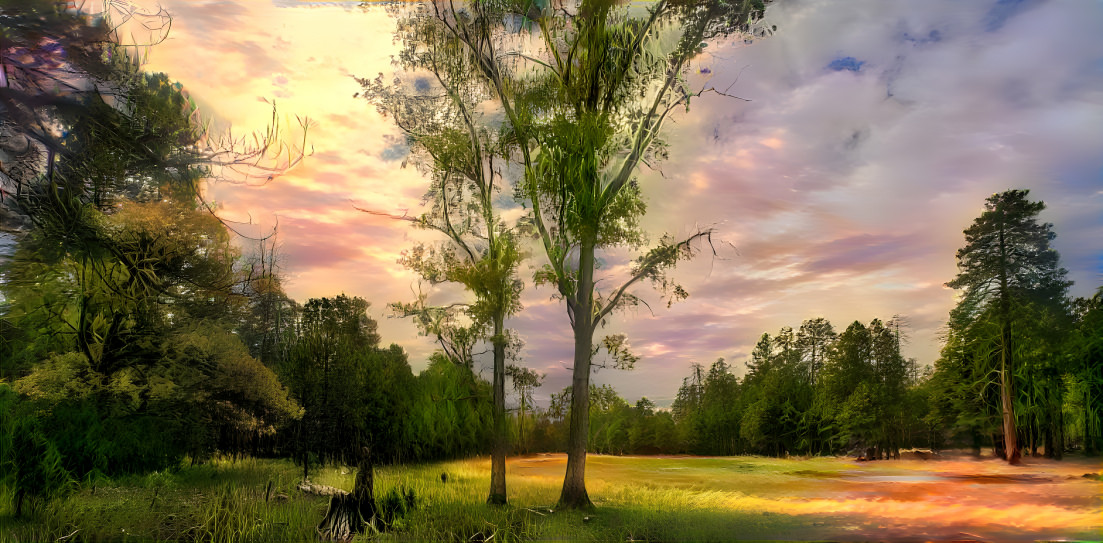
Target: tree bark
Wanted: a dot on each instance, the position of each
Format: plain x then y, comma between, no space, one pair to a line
351,514
1048,445
573,495
1089,439
1010,436
501,438
1059,436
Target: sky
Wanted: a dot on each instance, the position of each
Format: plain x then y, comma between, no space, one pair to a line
865,138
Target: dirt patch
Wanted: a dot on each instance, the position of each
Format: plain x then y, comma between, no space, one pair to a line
954,498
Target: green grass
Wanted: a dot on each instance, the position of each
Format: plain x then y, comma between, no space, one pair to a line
626,511
636,499
224,501
219,501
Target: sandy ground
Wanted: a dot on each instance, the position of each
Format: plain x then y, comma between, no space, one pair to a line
952,498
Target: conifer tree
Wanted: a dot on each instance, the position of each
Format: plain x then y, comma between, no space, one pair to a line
1006,264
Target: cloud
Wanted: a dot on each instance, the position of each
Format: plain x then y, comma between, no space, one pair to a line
205,20
873,172
868,137
863,253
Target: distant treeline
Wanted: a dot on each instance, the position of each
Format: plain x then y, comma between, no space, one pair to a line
815,391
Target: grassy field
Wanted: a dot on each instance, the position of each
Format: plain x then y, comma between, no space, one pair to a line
637,499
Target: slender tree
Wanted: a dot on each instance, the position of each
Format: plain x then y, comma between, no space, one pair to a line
594,135
815,338
436,103
1006,263
525,381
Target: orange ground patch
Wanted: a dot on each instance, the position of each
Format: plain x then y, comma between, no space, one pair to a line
957,498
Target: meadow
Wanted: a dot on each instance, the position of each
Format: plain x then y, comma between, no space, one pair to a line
636,499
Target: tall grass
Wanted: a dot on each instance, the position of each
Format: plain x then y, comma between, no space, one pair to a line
222,501
257,501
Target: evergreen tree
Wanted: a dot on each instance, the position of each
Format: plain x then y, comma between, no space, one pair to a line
1006,265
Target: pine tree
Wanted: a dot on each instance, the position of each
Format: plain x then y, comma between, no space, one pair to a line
1006,263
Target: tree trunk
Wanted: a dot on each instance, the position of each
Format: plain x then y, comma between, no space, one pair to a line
303,452
1049,442
1059,435
501,437
20,494
351,514
1032,431
573,495
306,465
523,447
1010,436
1089,439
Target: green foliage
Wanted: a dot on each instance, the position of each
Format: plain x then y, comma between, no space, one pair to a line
1007,257
1083,350
352,392
810,392
396,504
857,417
525,382
32,465
1011,283
451,415
120,298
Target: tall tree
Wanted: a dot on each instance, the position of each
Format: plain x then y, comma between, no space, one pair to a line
570,103
720,407
761,356
525,381
332,333
686,408
815,338
355,396
1006,264
890,376
594,132
437,106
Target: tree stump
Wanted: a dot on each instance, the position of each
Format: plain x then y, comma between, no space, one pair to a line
351,514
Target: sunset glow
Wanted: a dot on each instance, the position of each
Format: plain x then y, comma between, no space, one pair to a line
865,138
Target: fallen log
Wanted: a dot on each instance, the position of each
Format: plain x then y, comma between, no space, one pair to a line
320,490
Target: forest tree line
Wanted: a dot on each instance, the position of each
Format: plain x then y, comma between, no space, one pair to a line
816,391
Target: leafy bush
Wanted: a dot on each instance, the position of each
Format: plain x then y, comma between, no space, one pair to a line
35,466
394,505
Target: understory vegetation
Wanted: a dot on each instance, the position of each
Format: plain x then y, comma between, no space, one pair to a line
638,499
258,500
